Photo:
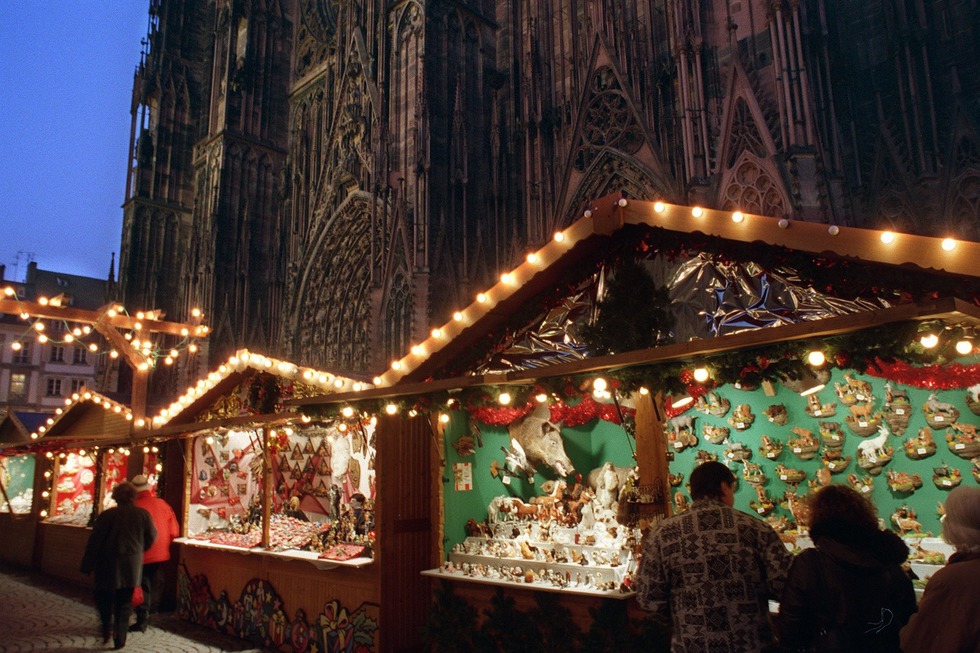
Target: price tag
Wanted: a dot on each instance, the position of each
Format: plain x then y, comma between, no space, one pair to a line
740,425
797,450
922,451
959,446
783,477
506,480
761,511
939,418
865,489
817,413
899,411
835,437
678,445
862,424
860,396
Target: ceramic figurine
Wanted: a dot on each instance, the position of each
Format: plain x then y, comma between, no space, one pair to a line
764,503
680,503
776,413
779,523
703,456
805,445
675,479
853,391
715,434
905,521
835,462
753,473
680,432
939,414
945,477
863,419
863,485
742,418
798,506
874,453
921,446
973,399
831,434
963,440
712,404
771,447
789,475
925,556
903,481
897,409
976,469
738,452
815,409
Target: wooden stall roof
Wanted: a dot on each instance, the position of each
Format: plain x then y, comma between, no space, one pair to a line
200,408
418,371
918,254
16,427
87,418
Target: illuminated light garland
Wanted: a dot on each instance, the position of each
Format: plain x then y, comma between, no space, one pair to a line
244,359
77,398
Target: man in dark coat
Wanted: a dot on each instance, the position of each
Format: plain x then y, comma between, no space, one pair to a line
114,552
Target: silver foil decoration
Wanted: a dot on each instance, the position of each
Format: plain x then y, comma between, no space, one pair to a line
709,298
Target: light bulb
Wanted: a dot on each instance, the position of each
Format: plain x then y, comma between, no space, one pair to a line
887,237
738,216
964,347
391,409
929,340
504,398
659,207
949,244
816,358
697,211
700,375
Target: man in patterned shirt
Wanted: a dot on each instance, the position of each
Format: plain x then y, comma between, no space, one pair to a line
709,572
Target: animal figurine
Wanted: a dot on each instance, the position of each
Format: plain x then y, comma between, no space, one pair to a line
864,485
973,399
834,461
712,404
799,507
874,453
763,503
771,447
805,445
939,413
715,434
816,409
607,487
541,440
742,417
921,446
777,414
831,434
963,440
675,479
903,481
789,475
853,390
894,396
905,521
945,477
738,452
703,456
680,503
682,422
753,473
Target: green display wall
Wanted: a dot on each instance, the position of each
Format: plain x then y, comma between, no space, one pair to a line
594,443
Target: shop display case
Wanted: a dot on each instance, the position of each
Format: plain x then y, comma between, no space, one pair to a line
17,479
321,492
73,489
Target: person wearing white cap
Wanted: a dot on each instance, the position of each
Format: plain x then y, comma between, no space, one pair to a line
154,557
948,620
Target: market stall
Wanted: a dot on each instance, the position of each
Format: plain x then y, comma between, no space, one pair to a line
82,452
806,356
286,518
17,486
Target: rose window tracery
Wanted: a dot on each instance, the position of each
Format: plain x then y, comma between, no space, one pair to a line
753,190
609,121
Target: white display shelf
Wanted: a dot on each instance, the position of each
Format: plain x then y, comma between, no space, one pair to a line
311,557
542,587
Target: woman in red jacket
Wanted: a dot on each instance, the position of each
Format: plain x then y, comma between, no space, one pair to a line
155,557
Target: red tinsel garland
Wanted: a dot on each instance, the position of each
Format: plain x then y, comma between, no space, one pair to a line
584,411
932,377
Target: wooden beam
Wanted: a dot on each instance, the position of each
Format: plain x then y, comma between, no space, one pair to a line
84,316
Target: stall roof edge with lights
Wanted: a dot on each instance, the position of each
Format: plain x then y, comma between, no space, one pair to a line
919,270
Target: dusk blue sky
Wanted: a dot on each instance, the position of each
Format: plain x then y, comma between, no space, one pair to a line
66,79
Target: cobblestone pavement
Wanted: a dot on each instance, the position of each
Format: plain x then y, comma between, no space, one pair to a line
39,613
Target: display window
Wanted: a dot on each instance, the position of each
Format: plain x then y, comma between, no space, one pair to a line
321,494
115,464
17,480
73,489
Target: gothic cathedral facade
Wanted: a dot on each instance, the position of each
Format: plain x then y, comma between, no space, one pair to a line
327,179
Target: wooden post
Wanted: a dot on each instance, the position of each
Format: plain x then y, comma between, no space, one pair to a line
651,450
188,476
266,489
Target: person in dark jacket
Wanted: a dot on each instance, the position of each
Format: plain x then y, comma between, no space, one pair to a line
948,620
114,552
849,593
